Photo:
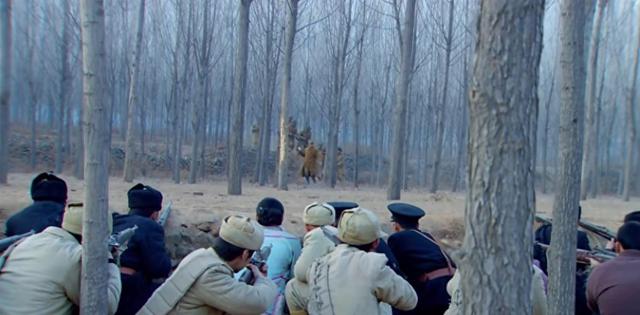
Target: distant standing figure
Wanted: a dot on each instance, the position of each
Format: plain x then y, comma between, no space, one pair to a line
304,137
49,194
255,132
310,164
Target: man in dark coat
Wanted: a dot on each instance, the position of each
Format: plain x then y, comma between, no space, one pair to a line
145,258
543,236
49,194
425,264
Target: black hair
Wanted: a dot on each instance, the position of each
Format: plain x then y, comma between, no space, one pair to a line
632,217
408,225
270,212
226,250
365,247
629,235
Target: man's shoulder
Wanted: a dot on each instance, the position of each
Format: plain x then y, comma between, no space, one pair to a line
124,221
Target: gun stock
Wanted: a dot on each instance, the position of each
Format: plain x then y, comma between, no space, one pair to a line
583,256
164,215
259,259
119,240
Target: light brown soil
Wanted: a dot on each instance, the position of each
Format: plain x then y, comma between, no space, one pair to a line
444,210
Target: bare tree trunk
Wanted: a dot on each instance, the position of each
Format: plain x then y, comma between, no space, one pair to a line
502,133
234,186
400,110
356,109
590,148
441,109
562,253
463,132
93,298
199,111
545,135
79,146
64,86
631,121
130,145
285,94
5,86
597,143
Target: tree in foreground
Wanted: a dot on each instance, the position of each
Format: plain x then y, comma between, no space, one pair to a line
562,253
283,153
93,298
5,86
495,260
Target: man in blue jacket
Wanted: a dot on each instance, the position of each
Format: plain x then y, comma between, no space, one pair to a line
145,260
49,194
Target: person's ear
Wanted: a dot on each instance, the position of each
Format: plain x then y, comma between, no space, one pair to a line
618,247
246,255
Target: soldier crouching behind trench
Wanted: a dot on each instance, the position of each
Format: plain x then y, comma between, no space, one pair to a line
203,283
42,273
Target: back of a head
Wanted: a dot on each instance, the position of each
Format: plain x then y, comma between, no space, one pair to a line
319,214
144,200
632,217
73,218
270,212
358,227
48,187
629,236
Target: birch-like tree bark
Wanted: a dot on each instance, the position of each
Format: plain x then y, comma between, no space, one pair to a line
632,132
5,86
562,253
496,260
283,157
132,102
400,110
590,135
234,186
94,281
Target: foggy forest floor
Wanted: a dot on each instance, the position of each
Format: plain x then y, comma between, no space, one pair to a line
209,202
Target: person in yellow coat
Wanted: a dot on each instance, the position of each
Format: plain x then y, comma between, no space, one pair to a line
310,166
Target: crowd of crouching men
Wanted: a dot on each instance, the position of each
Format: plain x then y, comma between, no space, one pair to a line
344,264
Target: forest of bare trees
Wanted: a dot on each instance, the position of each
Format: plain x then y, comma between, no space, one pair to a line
187,82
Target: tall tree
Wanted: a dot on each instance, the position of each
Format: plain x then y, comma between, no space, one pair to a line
283,157
93,298
65,84
562,253
5,86
355,98
132,102
496,261
236,135
441,108
400,110
632,132
590,136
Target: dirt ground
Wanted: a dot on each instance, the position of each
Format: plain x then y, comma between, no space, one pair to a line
209,202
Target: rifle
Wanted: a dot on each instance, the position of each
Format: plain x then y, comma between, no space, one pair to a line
164,215
6,242
597,230
118,241
259,259
583,256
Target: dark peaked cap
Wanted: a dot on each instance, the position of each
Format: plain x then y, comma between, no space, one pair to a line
340,206
405,213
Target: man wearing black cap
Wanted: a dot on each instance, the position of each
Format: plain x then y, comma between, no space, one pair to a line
49,194
427,267
382,248
146,257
